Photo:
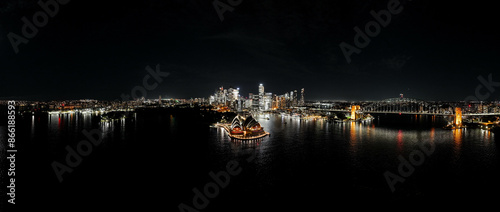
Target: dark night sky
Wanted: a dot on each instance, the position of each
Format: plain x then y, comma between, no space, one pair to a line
99,49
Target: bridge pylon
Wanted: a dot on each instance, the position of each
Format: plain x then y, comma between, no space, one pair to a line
458,117
354,109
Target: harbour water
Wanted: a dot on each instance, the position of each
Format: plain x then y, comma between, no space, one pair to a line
157,160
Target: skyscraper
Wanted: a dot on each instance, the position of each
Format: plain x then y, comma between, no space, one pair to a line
268,98
261,97
302,102
236,94
255,102
295,99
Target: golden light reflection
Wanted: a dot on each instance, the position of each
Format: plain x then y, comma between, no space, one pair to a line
353,136
488,134
457,136
360,133
457,139
433,134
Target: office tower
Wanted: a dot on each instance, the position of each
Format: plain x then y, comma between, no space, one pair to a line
236,94
295,100
302,102
261,97
255,102
267,101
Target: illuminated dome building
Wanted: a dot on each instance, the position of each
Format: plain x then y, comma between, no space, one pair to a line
246,127
236,127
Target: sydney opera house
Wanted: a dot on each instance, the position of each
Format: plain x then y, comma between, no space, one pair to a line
246,128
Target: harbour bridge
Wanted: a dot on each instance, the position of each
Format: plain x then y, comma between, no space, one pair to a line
405,106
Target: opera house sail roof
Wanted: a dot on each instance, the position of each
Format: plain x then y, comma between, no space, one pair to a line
245,128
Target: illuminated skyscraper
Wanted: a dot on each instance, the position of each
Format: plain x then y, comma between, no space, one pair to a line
302,97
261,97
255,102
268,98
295,100
236,94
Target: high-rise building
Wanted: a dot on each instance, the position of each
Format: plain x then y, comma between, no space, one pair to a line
236,94
219,96
282,102
302,102
295,101
287,100
255,102
211,100
261,98
261,90
240,104
268,97
248,103
276,102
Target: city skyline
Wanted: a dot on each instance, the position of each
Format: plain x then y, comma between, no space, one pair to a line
239,105
484,84
426,50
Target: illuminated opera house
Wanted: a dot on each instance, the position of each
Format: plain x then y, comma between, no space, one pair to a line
245,128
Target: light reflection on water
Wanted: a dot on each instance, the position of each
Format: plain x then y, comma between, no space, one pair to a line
293,134
374,142
71,125
309,154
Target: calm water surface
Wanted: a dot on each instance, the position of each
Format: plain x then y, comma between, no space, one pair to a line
154,161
